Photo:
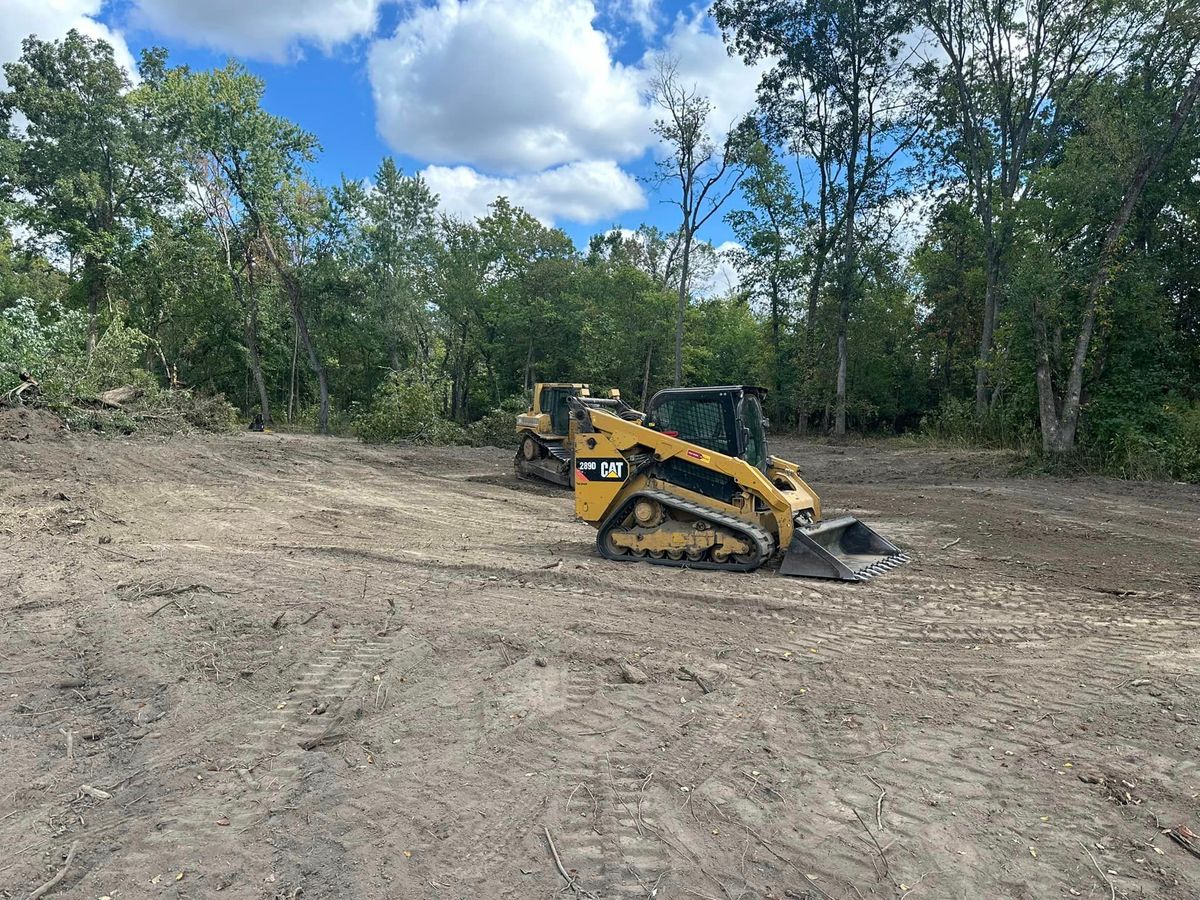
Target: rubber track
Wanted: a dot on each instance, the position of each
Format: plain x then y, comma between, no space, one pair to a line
762,539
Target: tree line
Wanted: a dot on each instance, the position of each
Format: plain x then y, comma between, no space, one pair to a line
1047,150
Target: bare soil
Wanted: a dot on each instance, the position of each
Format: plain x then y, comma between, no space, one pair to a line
301,667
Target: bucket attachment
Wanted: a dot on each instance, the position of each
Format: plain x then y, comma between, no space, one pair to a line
843,548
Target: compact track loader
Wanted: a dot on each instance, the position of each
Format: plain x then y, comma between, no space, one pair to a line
691,484
545,449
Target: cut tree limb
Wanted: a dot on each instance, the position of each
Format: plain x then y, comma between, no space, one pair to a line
116,398
49,885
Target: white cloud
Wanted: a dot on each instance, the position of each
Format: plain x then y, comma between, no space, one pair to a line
51,20
725,279
530,89
507,85
579,192
263,29
644,14
731,85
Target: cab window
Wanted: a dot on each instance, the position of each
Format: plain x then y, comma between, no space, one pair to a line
756,441
697,421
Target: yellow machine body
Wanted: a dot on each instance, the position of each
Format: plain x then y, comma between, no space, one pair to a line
538,419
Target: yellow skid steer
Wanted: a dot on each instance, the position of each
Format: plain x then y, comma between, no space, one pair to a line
691,484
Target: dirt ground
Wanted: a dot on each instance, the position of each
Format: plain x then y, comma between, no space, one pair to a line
288,666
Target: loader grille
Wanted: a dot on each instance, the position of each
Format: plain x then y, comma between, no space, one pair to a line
697,478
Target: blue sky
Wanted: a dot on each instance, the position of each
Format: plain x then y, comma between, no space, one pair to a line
537,99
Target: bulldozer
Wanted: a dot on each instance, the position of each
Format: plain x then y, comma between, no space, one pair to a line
544,430
692,484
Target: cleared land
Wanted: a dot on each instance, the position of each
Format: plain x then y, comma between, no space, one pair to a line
309,668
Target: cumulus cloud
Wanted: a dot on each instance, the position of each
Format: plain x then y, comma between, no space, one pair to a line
51,21
696,45
580,192
262,29
506,85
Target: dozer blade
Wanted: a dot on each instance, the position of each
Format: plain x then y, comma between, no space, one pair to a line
547,469
843,548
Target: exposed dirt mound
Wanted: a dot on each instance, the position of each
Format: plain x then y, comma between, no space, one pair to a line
272,666
24,424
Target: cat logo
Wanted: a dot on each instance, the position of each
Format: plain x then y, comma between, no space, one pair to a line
612,469
616,469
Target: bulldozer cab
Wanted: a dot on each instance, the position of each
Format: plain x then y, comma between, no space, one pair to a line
726,419
551,400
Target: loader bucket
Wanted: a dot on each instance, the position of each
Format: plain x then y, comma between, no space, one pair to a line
843,548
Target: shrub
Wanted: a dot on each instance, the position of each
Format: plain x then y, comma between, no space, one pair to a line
1167,448
954,421
498,427
50,343
406,408
951,420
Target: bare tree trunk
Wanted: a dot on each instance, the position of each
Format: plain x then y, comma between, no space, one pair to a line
264,399
805,406
681,308
458,379
93,280
777,355
988,339
802,419
292,289
646,375
249,302
847,288
292,387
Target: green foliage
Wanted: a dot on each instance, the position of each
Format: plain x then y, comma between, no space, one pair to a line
157,411
406,409
47,344
91,155
50,346
1170,450
950,268
728,344
498,427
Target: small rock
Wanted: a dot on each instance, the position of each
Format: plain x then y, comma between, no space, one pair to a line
632,674
540,662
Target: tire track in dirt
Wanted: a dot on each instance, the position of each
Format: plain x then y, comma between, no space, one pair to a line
595,800
228,817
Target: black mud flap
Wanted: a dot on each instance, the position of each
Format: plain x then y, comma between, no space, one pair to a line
843,548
